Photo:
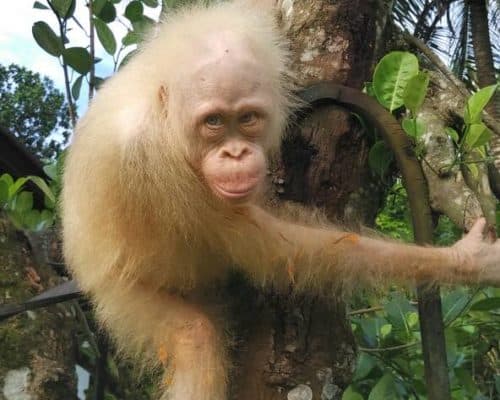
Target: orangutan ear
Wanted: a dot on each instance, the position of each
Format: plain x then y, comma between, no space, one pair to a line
163,97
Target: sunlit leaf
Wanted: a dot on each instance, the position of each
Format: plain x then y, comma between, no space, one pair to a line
413,127
415,91
476,103
477,135
391,76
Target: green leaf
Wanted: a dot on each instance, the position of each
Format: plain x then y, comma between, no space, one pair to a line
77,86
477,135
391,76
31,219
491,303
384,389
24,202
412,319
134,10
474,171
452,133
476,103
413,127
4,192
78,58
7,179
42,185
62,7
454,304
151,3
364,366
466,381
385,330
16,186
105,10
379,158
40,6
47,39
350,394
105,36
415,91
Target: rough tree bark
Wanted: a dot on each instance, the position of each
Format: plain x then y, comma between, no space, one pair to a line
296,346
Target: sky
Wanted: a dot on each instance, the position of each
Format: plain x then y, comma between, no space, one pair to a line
18,46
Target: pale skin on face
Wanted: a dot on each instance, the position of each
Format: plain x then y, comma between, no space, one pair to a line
227,109
229,102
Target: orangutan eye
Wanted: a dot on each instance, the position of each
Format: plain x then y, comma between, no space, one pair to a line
214,121
248,118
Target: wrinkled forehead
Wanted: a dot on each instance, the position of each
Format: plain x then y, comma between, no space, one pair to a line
225,66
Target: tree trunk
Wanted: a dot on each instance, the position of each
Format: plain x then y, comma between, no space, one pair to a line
296,346
36,347
486,76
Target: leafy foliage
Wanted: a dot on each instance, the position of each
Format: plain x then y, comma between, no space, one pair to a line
390,363
33,110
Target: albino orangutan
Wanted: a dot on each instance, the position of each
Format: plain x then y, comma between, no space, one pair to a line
162,188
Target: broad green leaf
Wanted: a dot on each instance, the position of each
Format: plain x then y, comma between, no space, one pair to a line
78,58
476,103
412,319
364,366
45,221
24,202
491,303
31,219
75,89
62,7
47,39
391,76
134,10
16,186
4,192
7,179
105,10
151,3
42,185
452,133
385,330
350,394
415,91
384,389
413,127
40,6
105,36
379,158
477,135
